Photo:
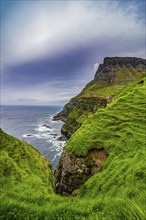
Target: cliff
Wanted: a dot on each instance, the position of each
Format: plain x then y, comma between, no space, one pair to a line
116,137
110,79
102,166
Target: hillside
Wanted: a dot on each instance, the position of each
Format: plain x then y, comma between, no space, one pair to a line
110,79
119,132
26,191
101,174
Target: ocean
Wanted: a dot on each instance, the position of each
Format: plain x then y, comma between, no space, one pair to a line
34,125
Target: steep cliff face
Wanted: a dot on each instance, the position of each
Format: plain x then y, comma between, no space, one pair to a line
110,79
119,69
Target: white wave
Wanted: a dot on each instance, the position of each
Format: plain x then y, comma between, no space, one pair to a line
57,145
43,129
43,135
57,155
46,135
52,141
38,136
54,122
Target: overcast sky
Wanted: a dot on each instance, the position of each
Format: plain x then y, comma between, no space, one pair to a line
51,49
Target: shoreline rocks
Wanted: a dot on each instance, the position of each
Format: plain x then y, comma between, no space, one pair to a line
45,126
61,138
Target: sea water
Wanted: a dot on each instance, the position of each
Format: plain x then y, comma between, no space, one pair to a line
34,124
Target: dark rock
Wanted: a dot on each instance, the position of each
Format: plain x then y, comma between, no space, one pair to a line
141,82
124,61
61,116
29,135
53,134
62,138
106,72
45,126
73,171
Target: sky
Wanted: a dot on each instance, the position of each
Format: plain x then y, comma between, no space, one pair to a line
51,49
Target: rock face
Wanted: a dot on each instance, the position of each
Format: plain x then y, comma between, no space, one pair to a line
115,71
73,171
61,116
107,72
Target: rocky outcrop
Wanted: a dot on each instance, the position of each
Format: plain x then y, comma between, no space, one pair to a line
61,138
125,62
61,116
73,171
113,67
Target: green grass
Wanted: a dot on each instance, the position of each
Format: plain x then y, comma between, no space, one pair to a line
122,78
91,97
100,89
120,130
123,119
116,193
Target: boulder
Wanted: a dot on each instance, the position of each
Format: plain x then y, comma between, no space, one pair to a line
61,138
45,126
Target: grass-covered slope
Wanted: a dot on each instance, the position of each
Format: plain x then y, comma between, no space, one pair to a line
93,97
26,190
117,192
120,130
25,175
123,119
18,161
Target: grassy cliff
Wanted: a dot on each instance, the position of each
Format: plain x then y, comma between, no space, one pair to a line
123,118
116,192
110,79
120,131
